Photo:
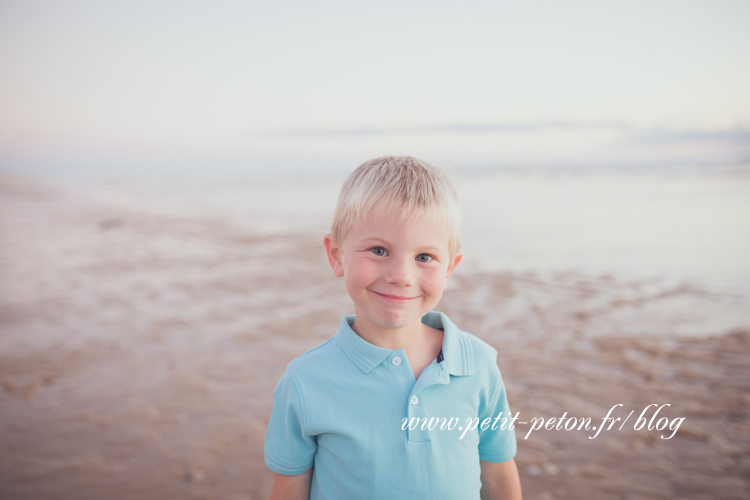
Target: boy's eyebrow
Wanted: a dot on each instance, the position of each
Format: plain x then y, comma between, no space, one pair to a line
432,248
368,239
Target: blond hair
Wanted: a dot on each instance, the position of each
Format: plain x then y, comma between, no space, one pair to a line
398,184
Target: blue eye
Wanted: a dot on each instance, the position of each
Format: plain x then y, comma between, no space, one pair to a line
379,251
423,257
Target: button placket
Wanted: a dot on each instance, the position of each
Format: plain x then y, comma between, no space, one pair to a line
415,408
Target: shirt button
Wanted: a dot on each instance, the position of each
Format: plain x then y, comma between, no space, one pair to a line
414,400
396,361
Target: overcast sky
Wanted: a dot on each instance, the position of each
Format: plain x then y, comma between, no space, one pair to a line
220,85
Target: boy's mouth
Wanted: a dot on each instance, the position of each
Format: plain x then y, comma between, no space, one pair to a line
396,299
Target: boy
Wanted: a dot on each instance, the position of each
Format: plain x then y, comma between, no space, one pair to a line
353,417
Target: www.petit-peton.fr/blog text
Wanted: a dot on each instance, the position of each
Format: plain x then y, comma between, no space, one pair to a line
647,420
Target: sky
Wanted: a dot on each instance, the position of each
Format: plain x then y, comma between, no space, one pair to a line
104,87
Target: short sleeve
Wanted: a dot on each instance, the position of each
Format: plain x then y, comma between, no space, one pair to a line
498,445
289,449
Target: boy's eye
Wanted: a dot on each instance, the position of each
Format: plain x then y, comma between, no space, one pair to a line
379,251
423,257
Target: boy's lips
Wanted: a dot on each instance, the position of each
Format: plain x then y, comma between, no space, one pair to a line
397,299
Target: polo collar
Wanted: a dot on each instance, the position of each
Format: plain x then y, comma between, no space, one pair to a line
458,353
362,353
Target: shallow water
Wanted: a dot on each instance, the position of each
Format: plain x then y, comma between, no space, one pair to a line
673,224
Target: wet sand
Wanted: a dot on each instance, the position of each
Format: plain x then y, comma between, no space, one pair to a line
139,350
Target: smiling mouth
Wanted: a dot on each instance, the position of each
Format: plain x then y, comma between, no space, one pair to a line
396,299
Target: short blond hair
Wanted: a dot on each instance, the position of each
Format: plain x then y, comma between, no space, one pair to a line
398,184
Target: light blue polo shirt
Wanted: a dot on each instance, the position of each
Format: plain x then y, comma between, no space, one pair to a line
340,407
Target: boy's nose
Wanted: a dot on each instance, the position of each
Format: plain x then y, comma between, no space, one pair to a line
400,273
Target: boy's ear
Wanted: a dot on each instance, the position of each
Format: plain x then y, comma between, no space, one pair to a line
453,264
334,255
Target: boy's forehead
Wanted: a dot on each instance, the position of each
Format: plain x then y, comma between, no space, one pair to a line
375,224
400,218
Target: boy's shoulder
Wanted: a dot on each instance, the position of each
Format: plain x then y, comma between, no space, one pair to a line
313,358
479,345
322,362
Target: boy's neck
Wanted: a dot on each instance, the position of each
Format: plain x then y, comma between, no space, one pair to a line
409,338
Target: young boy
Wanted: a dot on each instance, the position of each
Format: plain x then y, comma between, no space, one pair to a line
396,404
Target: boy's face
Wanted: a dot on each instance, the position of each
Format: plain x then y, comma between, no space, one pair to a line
395,272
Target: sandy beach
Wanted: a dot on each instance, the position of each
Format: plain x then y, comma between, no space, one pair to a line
139,350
